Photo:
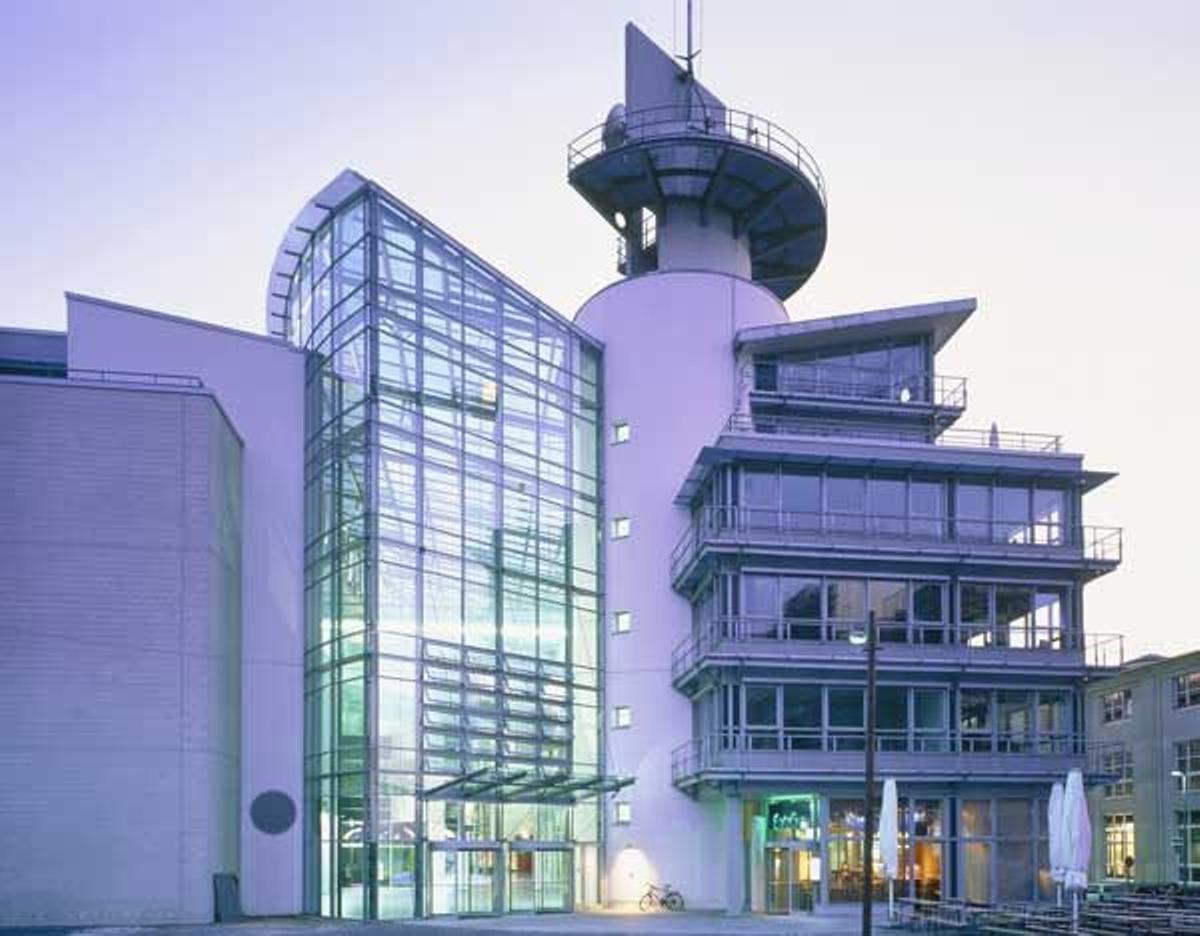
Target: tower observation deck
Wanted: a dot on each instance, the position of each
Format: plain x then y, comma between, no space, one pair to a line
691,184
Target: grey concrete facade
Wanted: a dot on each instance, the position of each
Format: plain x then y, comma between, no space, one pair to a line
1152,796
120,572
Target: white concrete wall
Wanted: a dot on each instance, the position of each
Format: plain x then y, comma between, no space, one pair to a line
260,383
669,371
119,677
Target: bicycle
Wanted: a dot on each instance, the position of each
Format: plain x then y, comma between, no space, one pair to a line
655,896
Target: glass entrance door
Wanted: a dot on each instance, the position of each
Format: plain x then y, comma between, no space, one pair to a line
463,881
539,880
792,875
477,880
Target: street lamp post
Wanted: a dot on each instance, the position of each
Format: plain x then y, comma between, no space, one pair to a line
870,638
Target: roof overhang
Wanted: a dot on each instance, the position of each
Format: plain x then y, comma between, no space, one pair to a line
864,454
516,785
937,319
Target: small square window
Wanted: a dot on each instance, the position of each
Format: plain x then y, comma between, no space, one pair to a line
622,716
620,432
622,813
621,527
622,622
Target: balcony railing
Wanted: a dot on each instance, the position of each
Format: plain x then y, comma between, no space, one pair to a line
741,525
776,637
56,372
860,383
721,124
808,752
954,437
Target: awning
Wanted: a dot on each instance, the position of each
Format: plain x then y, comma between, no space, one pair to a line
494,785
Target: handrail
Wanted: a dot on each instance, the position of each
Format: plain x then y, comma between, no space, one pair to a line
692,120
954,437
1097,650
847,381
741,524
57,372
773,749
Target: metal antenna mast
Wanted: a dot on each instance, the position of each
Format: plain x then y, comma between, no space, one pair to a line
691,53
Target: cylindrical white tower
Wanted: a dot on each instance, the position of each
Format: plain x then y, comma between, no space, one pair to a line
670,376
720,215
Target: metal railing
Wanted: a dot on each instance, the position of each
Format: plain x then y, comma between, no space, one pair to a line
859,383
53,372
954,437
696,120
781,635
797,750
748,524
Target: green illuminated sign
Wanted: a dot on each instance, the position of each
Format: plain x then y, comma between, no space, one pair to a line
792,817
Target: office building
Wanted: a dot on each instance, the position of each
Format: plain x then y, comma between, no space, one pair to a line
1145,722
432,601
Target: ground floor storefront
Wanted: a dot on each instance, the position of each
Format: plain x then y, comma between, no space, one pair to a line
804,849
463,859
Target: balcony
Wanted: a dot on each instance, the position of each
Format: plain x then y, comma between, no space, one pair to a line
1093,549
993,438
924,645
860,384
779,756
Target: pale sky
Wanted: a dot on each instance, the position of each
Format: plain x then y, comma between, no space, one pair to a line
1039,156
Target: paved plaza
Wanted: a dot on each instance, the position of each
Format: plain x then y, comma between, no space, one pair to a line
604,923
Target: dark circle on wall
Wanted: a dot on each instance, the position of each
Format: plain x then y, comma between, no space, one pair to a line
272,812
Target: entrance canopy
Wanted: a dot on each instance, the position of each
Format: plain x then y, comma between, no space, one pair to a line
494,785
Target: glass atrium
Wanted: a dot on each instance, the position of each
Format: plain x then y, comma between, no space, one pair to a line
453,579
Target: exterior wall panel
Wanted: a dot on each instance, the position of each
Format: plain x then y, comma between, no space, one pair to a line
260,385
119,759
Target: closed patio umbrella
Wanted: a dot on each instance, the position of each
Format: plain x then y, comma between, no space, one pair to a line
1054,820
1076,840
889,840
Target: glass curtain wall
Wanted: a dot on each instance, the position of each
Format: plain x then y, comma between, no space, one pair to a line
453,575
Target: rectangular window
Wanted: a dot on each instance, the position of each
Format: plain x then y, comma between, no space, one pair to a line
846,708
927,505
1187,844
622,716
1187,766
622,813
620,433
802,708
975,615
1118,769
760,500
1187,690
847,503
973,509
800,500
1049,512
622,622
621,527
1117,705
1118,846
1014,616
929,720
889,602
801,603
887,505
1012,515
760,707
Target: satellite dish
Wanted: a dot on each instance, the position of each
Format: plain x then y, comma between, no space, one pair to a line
614,127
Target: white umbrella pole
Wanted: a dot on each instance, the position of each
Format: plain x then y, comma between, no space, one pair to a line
1075,911
1058,892
891,899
